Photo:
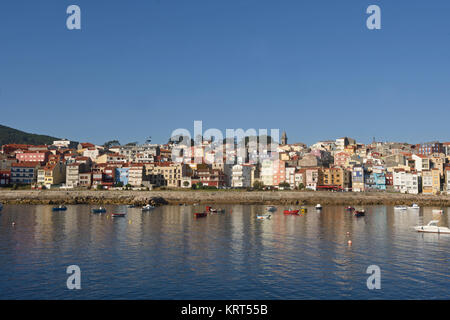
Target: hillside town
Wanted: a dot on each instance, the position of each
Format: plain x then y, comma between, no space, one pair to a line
334,165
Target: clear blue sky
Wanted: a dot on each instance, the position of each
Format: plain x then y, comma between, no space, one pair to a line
146,67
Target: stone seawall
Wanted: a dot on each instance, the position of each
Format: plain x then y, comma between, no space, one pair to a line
222,197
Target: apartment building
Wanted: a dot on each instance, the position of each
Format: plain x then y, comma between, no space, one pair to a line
241,176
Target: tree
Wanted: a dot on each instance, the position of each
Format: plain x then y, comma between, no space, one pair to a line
284,185
131,144
300,186
186,183
258,185
112,143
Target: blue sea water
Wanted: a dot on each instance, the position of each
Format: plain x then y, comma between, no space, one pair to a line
169,254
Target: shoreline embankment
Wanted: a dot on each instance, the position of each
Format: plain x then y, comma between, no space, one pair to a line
218,197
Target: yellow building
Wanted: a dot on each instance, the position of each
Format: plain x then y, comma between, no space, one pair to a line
167,174
336,177
431,181
52,174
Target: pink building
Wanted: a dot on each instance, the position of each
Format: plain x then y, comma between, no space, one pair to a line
279,172
32,156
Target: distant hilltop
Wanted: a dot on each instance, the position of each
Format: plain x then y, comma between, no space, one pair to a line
9,135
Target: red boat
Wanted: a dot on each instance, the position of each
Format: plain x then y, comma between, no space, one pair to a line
118,214
291,211
200,214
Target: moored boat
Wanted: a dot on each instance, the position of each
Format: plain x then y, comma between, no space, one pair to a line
60,208
303,209
414,206
291,211
214,210
200,214
400,208
359,213
118,214
438,211
350,209
271,208
1,206
318,206
432,227
263,216
148,207
99,210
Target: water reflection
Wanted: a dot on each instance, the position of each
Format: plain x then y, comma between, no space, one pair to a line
167,253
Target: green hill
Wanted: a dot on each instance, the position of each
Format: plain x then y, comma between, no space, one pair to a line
10,135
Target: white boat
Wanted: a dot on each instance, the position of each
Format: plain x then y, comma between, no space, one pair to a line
271,208
414,206
148,207
438,211
318,206
400,208
263,216
432,227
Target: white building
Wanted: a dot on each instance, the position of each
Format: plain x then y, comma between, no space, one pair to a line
61,143
267,171
290,176
92,153
407,182
241,176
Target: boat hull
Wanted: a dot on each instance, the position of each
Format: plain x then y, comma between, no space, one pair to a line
200,214
426,229
295,212
118,215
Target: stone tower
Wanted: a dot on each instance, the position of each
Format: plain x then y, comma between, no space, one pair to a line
284,138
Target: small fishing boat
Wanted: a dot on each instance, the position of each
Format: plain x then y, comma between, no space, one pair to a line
350,209
118,214
318,206
291,211
360,213
214,210
148,207
263,216
414,206
400,208
271,208
303,210
200,214
131,206
99,210
432,227
60,208
438,211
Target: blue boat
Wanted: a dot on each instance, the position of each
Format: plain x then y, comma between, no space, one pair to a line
1,206
60,208
99,210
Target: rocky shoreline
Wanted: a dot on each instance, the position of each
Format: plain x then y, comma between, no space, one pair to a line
218,197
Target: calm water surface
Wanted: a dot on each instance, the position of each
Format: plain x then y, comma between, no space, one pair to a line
168,254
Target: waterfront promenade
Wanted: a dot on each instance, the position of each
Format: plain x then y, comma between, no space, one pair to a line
219,196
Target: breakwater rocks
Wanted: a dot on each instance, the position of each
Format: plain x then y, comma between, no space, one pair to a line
158,198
